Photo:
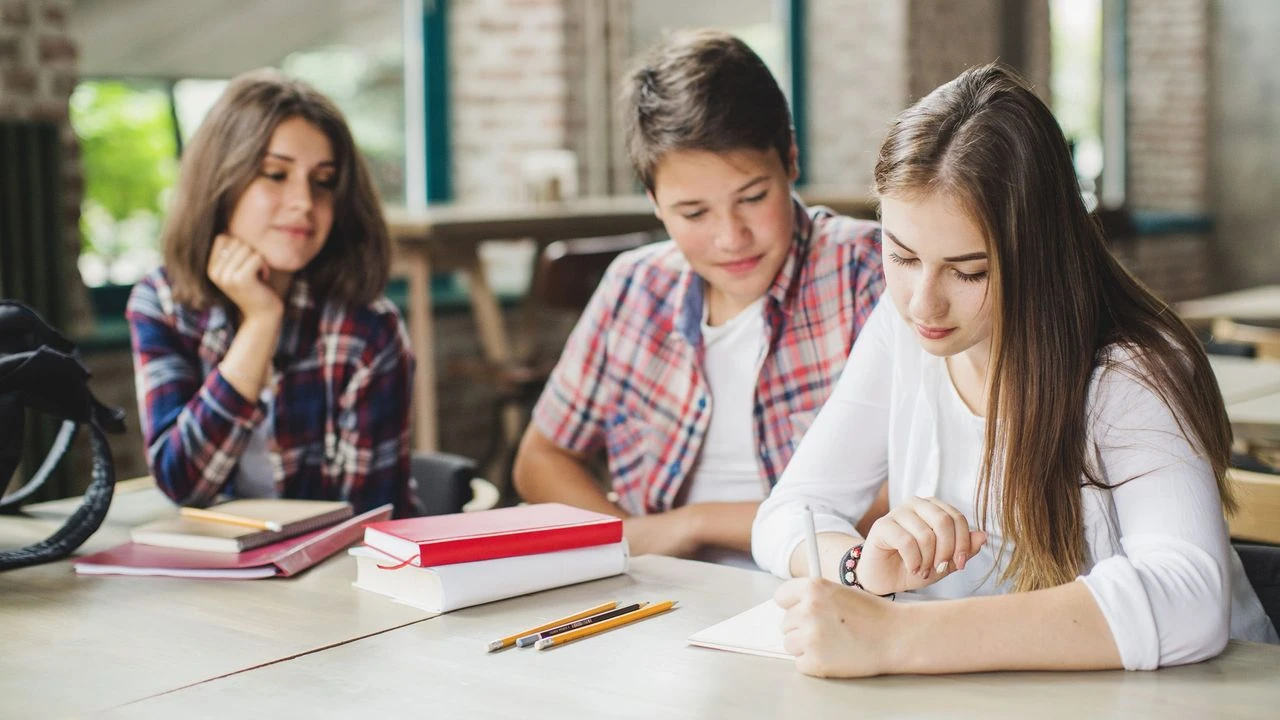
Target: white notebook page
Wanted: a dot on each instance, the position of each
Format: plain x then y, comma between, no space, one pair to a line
757,631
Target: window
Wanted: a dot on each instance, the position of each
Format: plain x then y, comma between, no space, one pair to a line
147,89
128,150
1088,85
761,24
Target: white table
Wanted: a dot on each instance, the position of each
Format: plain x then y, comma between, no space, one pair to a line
74,644
315,646
439,669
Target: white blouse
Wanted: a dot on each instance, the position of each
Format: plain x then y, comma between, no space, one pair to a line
1161,566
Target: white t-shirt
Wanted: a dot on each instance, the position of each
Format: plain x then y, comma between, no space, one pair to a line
1160,567
727,469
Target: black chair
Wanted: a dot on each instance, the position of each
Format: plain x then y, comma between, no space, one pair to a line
444,481
1262,565
1245,461
564,280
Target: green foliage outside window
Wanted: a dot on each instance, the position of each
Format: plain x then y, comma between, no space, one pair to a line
128,150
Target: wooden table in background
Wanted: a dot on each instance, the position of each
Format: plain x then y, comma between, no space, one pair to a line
1241,379
446,237
1259,303
1251,391
1257,420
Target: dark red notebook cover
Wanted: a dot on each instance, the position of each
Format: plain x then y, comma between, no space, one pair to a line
489,534
289,556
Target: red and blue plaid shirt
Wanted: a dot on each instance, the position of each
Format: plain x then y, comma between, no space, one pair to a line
630,377
341,382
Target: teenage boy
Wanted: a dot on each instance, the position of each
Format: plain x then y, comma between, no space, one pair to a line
699,362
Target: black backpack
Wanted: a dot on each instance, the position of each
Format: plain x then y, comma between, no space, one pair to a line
39,372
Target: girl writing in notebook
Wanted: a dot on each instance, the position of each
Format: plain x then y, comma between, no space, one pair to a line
268,363
1053,438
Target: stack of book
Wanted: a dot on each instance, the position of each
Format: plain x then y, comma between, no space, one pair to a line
239,539
446,562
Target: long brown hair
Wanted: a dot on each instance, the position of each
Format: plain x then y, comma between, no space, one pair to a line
1061,301
225,155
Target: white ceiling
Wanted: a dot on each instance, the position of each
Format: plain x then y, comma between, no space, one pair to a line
219,38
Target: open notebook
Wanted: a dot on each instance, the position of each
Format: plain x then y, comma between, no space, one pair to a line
757,631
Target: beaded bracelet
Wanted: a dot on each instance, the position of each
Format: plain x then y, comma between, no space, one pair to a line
849,569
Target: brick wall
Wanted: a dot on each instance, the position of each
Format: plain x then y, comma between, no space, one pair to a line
37,75
855,52
1168,105
1245,142
1168,159
1175,267
508,91
597,51
945,38
869,59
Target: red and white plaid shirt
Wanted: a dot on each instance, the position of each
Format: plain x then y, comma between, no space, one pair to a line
631,378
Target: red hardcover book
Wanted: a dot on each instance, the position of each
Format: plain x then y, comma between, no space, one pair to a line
490,534
284,558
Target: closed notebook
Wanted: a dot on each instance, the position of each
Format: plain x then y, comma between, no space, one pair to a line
491,534
450,587
295,517
757,631
284,558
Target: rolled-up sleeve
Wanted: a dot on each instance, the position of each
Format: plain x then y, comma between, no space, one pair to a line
1166,597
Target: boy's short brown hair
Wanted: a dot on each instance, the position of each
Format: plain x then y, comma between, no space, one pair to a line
225,155
702,90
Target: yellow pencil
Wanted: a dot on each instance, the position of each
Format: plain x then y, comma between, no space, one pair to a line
600,627
228,519
510,640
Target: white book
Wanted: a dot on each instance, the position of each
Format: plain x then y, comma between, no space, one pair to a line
757,631
444,588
